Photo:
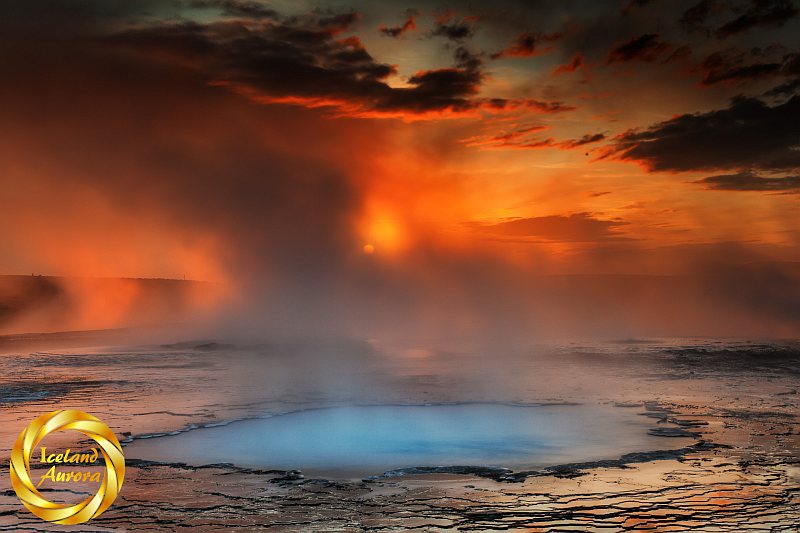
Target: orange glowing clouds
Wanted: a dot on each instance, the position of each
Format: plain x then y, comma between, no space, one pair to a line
454,159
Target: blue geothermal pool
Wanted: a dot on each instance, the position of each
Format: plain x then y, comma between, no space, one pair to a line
372,439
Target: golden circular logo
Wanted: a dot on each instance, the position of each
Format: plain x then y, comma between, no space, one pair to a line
62,420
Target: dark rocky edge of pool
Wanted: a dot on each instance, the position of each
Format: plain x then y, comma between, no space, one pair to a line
569,470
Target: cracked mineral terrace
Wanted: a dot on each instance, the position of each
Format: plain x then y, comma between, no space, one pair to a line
723,416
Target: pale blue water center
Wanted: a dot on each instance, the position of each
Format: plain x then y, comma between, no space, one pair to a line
373,439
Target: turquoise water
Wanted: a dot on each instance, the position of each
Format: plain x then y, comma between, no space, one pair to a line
373,439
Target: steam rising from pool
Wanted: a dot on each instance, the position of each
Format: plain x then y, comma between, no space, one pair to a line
363,440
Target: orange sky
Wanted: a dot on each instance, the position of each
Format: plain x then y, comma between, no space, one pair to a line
272,146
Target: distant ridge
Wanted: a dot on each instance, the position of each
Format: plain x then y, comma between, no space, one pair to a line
63,303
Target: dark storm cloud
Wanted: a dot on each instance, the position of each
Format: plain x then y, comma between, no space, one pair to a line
759,13
791,65
586,139
579,227
306,60
454,30
408,25
527,44
738,67
744,73
568,144
547,107
303,60
747,181
536,106
635,4
694,19
679,54
702,16
748,134
749,72
789,88
646,47
237,8
521,138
